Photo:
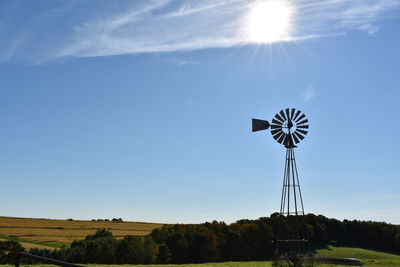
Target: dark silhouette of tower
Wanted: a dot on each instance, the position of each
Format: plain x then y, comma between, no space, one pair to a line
288,128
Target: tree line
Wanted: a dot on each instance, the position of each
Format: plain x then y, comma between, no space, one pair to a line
243,240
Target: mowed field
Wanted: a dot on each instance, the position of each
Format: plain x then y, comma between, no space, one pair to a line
47,233
369,258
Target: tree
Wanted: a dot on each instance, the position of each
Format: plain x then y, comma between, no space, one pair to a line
179,247
8,250
101,233
107,253
92,252
160,235
150,250
123,252
164,254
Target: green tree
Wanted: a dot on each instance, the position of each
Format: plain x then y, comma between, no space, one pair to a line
123,253
164,254
150,250
75,254
107,253
101,233
8,250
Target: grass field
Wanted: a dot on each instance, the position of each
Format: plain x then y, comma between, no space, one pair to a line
370,258
46,233
226,264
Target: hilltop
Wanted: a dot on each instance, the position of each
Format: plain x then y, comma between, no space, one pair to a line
49,233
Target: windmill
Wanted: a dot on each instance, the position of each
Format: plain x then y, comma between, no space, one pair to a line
289,127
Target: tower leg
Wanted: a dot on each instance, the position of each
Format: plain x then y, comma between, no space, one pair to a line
292,243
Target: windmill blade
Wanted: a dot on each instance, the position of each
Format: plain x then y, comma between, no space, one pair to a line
289,140
299,135
302,126
303,121
291,143
283,115
259,125
274,126
282,138
296,139
292,113
297,114
277,122
277,136
273,132
286,140
288,113
302,131
279,118
301,117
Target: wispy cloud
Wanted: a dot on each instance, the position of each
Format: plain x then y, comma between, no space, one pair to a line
309,93
159,26
343,15
104,28
183,62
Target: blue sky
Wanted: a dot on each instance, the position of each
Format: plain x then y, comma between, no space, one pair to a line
142,109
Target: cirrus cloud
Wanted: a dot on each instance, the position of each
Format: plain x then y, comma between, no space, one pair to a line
104,28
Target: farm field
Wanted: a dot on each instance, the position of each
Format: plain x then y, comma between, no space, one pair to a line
48,233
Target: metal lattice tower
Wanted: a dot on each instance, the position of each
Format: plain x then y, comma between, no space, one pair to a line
291,200
288,128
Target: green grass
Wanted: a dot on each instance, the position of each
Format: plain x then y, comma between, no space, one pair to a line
16,239
370,258
377,263
220,264
359,253
228,264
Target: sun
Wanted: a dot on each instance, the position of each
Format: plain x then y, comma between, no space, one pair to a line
269,21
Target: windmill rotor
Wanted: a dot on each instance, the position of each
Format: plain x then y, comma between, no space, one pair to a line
289,127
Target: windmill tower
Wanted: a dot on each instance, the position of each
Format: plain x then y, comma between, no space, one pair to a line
289,128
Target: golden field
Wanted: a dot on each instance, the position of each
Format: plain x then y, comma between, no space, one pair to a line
48,233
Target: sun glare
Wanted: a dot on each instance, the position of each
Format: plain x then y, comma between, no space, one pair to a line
269,21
